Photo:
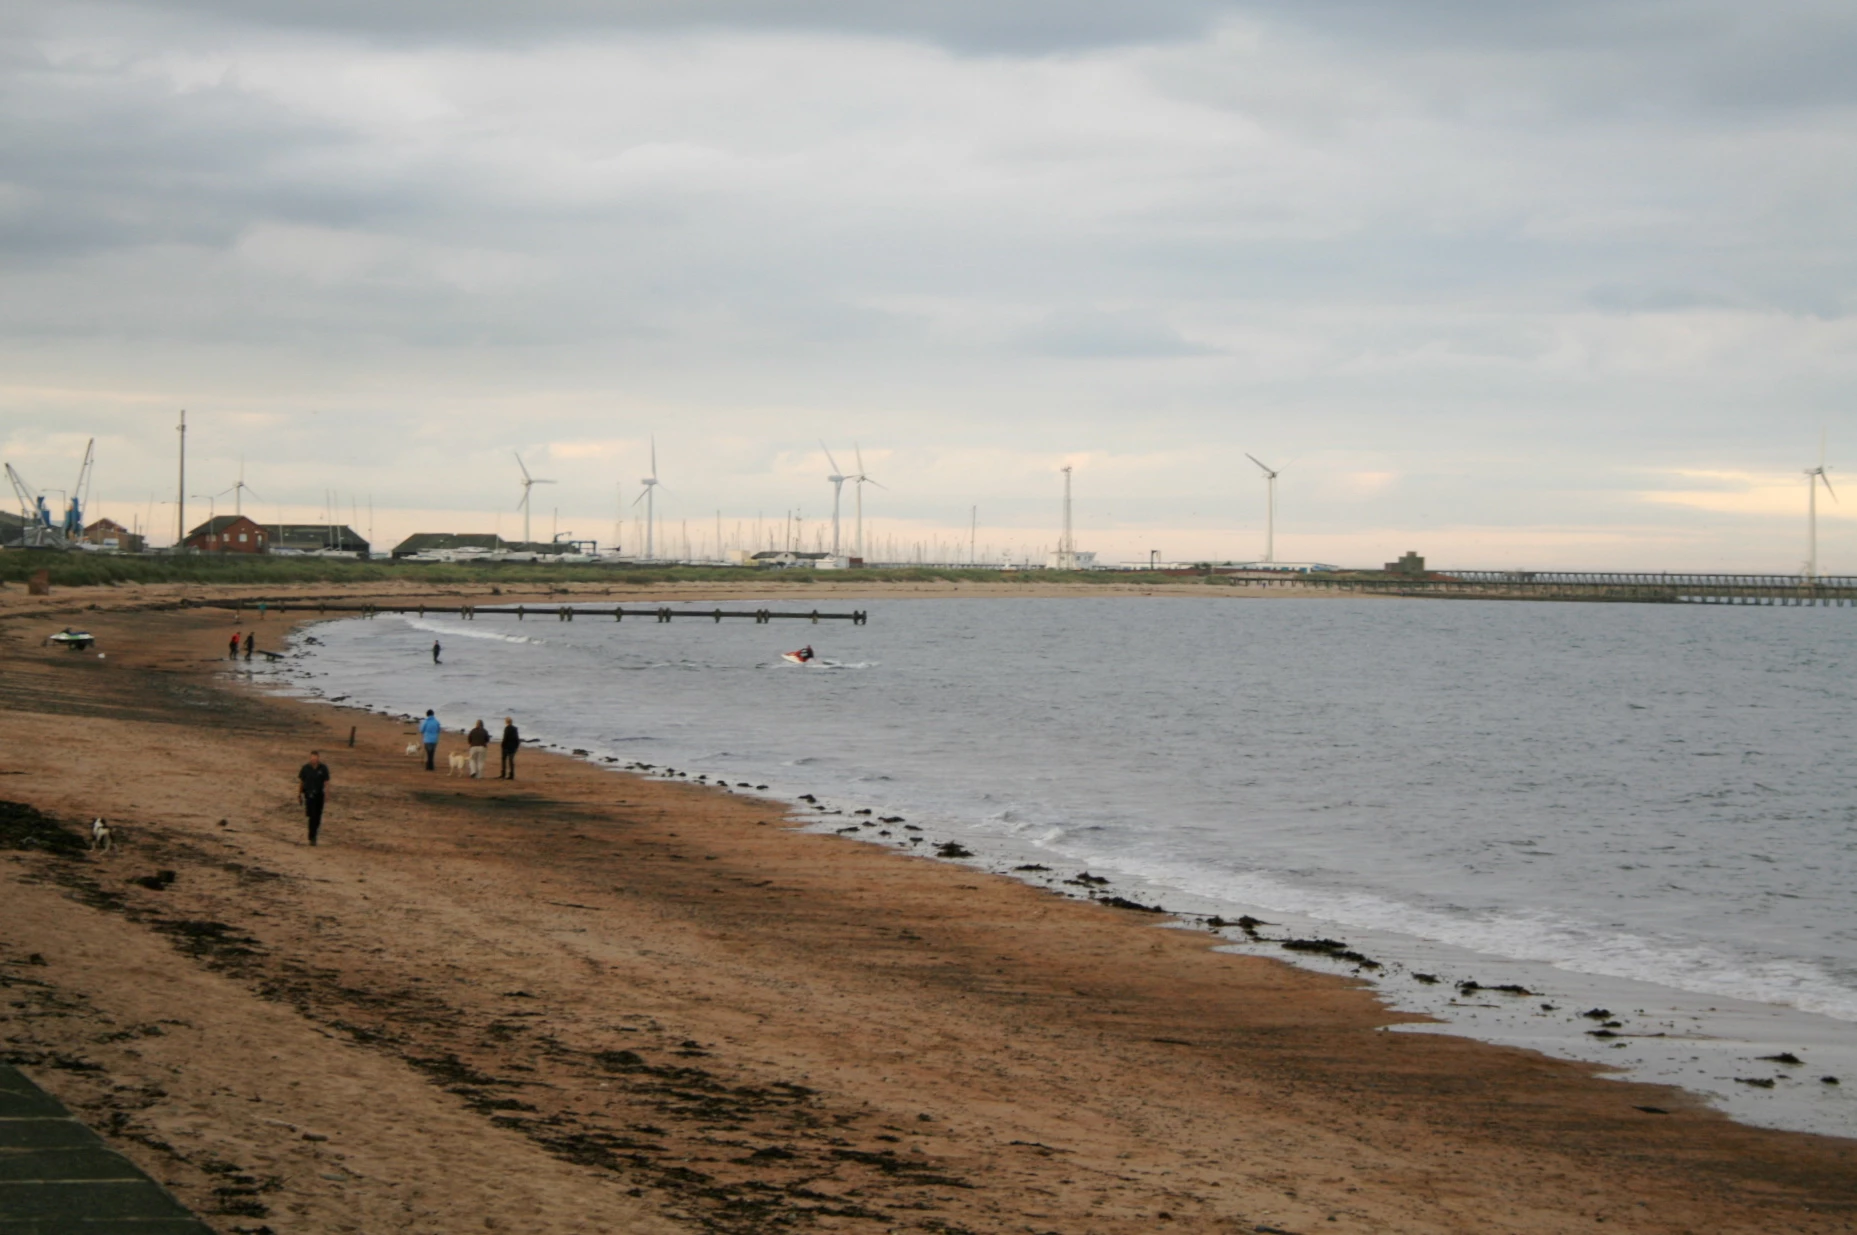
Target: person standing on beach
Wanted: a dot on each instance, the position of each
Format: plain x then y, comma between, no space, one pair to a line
235,646
435,651
428,733
312,791
251,643
479,740
511,740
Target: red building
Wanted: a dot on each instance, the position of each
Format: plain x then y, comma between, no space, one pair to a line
228,534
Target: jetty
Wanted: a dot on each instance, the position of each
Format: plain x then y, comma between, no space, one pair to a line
1592,587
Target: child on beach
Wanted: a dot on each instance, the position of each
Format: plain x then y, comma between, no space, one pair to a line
234,653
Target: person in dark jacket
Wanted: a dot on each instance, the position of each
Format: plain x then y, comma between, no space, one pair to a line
435,651
251,643
511,740
313,790
479,741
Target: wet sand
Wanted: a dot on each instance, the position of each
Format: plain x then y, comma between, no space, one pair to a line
582,1001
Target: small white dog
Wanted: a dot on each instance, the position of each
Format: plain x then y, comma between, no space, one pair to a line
459,763
412,748
101,838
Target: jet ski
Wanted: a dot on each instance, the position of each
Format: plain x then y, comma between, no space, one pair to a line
73,640
803,656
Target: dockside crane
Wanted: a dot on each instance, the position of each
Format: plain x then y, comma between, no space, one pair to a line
40,532
80,497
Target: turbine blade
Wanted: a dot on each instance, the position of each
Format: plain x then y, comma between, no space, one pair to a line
641,495
1828,489
829,458
520,464
1262,466
857,451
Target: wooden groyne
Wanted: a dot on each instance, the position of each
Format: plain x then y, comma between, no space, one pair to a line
560,613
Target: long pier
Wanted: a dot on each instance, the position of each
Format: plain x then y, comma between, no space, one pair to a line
1592,587
560,613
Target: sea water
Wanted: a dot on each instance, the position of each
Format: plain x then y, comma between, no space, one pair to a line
1647,808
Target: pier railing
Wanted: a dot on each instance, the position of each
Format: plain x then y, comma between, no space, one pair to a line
1621,588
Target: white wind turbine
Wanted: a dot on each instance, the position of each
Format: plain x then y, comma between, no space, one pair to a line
860,480
241,489
1812,476
651,503
528,482
838,480
1270,508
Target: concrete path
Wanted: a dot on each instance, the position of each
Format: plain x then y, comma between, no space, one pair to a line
57,1177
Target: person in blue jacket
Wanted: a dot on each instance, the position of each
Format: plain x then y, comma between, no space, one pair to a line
428,733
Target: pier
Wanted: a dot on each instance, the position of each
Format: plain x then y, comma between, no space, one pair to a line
522,612
1591,587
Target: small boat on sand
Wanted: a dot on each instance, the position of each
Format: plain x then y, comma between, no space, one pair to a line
72,640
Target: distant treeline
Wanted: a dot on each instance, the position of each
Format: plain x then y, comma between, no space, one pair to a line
97,569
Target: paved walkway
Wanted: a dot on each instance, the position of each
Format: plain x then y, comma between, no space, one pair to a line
57,1177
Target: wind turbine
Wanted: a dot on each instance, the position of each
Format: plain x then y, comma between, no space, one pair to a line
859,481
838,488
528,482
239,489
1812,476
651,484
1270,508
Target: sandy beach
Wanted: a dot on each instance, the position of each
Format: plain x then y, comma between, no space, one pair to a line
585,1001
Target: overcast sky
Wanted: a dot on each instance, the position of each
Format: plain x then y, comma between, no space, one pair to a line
1560,284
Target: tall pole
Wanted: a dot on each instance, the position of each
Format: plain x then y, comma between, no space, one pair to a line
860,497
180,508
1270,518
527,488
973,530
838,491
1066,550
1811,525
651,520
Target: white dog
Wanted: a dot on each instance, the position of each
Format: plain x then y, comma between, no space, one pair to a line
459,762
413,748
101,838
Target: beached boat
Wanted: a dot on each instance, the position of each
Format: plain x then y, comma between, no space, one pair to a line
74,640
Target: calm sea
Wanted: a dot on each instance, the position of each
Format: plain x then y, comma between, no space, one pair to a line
1616,799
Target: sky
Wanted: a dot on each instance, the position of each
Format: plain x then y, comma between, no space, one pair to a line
1568,284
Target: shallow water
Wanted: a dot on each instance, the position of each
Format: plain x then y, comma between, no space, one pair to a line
1662,796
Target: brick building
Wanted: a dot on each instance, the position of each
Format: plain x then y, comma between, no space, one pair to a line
228,534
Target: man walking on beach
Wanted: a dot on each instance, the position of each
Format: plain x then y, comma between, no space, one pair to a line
428,733
511,740
251,643
435,651
479,740
312,790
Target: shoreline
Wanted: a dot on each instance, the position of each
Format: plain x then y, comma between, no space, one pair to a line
595,985
1720,1047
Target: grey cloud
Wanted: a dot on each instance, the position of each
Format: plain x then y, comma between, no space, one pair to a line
1106,334
1032,26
